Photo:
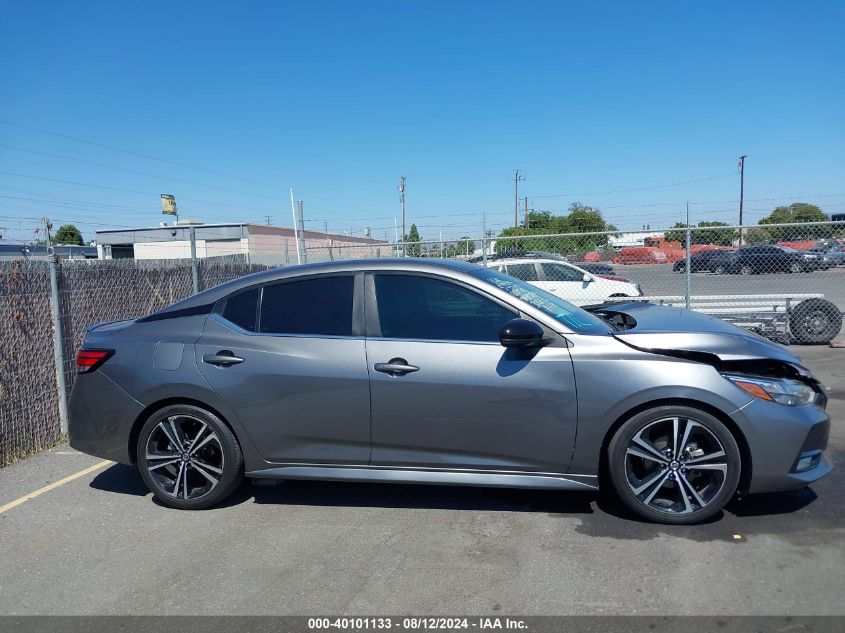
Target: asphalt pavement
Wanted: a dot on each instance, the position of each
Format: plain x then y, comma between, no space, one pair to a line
99,544
657,280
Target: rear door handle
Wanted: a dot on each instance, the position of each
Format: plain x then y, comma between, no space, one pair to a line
396,367
222,358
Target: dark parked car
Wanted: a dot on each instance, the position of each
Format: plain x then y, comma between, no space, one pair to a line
834,254
443,372
713,261
755,260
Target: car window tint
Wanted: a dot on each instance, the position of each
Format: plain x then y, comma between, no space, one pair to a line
430,309
559,272
319,306
241,309
525,272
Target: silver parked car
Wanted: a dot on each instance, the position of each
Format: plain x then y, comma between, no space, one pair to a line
445,372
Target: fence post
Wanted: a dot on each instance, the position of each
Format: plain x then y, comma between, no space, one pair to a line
58,351
484,238
195,277
687,271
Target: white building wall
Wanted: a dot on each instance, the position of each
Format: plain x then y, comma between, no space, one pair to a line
181,249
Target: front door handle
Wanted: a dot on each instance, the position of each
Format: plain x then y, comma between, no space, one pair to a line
396,367
223,358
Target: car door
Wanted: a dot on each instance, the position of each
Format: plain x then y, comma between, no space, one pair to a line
568,283
446,394
768,259
288,358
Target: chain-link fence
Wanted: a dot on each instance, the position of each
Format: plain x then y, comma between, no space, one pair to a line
88,291
29,419
785,281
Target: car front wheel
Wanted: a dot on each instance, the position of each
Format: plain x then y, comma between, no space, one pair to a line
188,457
674,464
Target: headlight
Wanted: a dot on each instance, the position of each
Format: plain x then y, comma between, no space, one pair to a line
789,392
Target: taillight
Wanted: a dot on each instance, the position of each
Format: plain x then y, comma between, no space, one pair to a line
87,360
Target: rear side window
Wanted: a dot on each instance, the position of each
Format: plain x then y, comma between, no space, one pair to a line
242,309
422,308
318,306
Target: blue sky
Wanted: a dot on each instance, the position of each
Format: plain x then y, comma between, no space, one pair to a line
338,99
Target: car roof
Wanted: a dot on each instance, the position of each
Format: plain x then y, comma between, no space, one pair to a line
529,260
406,264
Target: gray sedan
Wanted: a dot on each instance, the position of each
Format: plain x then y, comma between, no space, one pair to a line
442,372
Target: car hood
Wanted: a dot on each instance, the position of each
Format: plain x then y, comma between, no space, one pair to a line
663,329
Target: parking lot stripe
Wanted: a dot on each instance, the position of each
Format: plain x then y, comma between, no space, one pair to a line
55,484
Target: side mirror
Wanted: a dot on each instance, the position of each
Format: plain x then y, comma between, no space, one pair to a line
521,333
587,278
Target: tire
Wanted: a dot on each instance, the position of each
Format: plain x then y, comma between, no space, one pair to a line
745,269
815,321
181,439
795,268
651,487
720,270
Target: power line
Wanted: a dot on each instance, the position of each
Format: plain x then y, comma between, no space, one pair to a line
118,189
599,193
138,154
135,171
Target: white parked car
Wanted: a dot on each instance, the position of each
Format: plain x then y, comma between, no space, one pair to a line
566,280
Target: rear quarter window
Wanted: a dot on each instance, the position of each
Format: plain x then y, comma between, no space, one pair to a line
242,309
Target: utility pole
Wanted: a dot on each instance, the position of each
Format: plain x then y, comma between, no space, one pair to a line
402,198
296,235
526,212
326,226
301,231
516,178
741,196
47,226
268,218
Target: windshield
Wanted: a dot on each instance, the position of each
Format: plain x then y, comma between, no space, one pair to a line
569,315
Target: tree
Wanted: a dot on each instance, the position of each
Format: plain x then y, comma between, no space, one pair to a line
721,237
413,246
797,213
758,235
677,233
68,234
579,219
464,247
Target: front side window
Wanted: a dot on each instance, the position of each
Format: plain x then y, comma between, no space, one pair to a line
424,308
320,306
572,316
559,272
526,272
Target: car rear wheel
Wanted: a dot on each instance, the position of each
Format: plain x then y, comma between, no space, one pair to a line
674,464
745,269
795,267
188,457
720,270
